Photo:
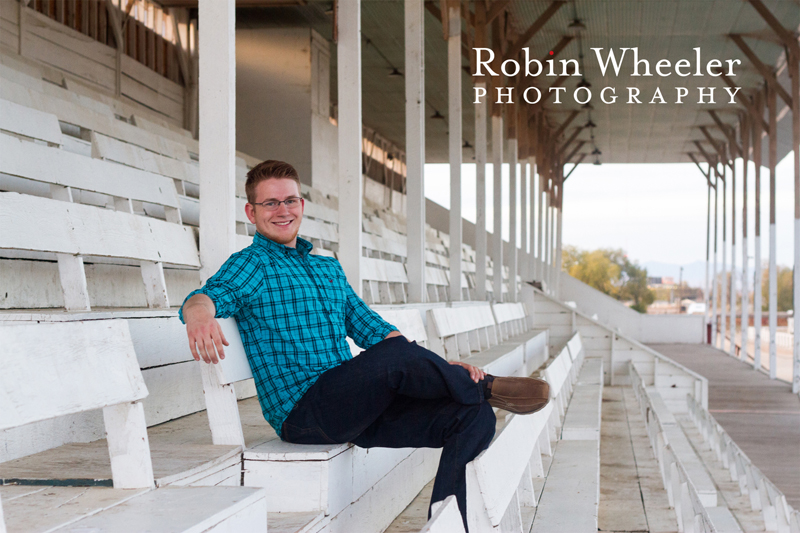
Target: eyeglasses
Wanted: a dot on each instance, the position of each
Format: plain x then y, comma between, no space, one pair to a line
273,205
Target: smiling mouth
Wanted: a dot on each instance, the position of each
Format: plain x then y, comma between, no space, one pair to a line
283,224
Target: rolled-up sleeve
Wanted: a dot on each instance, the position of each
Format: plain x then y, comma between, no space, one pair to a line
363,325
237,279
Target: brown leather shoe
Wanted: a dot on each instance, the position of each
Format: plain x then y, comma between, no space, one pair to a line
518,395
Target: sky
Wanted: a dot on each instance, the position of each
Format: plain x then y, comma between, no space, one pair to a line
655,212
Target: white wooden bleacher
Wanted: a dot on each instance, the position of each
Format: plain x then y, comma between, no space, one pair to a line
762,494
690,488
331,486
59,369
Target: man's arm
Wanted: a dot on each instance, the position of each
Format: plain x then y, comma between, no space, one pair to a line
221,296
205,335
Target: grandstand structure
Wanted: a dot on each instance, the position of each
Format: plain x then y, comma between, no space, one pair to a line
126,132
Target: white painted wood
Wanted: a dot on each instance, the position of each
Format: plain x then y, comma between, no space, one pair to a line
582,421
408,321
155,286
72,275
415,145
349,134
497,243
60,192
223,411
235,366
128,446
185,510
29,122
45,225
51,165
3,521
570,499
56,368
445,518
496,473
104,147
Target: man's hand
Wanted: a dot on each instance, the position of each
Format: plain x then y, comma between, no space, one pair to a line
394,333
474,372
205,335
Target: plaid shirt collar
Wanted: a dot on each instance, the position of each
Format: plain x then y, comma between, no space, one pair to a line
303,246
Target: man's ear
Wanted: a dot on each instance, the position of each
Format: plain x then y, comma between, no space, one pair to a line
250,211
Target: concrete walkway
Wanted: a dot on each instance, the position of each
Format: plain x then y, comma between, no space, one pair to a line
761,415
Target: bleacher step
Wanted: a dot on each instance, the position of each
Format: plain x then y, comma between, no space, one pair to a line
572,489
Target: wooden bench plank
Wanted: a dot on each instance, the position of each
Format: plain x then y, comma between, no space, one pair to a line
182,509
96,367
29,122
45,225
571,494
59,167
582,421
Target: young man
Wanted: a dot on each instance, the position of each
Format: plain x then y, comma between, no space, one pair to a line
294,311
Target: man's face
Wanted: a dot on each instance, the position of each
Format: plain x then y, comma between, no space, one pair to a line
281,225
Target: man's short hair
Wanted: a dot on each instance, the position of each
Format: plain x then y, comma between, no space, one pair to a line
269,169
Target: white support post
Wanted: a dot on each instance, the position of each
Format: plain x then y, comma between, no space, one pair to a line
155,286
546,249
773,274
745,281
512,218
350,178
560,217
540,210
756,136
714,277
454,138
523,261
706,295
732,313
794,74
128,446
73,282
723,300
480,196
532,226
497,245
217,100
551,244
415,148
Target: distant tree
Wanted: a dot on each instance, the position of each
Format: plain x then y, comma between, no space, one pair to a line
784,288
611,272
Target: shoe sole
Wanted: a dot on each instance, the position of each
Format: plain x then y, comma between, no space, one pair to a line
517,408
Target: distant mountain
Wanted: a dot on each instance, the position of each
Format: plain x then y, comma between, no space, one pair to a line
693,273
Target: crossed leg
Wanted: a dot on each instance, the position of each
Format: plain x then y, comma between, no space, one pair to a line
396,395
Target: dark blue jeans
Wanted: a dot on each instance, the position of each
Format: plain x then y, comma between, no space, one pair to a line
397,394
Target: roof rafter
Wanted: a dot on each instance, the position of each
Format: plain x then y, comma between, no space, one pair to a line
726,130
766,71
533,29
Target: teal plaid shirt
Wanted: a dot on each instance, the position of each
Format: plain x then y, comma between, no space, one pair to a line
294,312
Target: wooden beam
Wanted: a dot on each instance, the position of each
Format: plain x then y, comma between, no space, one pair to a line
497,9
719,149
766,71
726,130
560,45
575,151
569,141
741,97
566,123
578,162
710,160
706,174
788,37
533,29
